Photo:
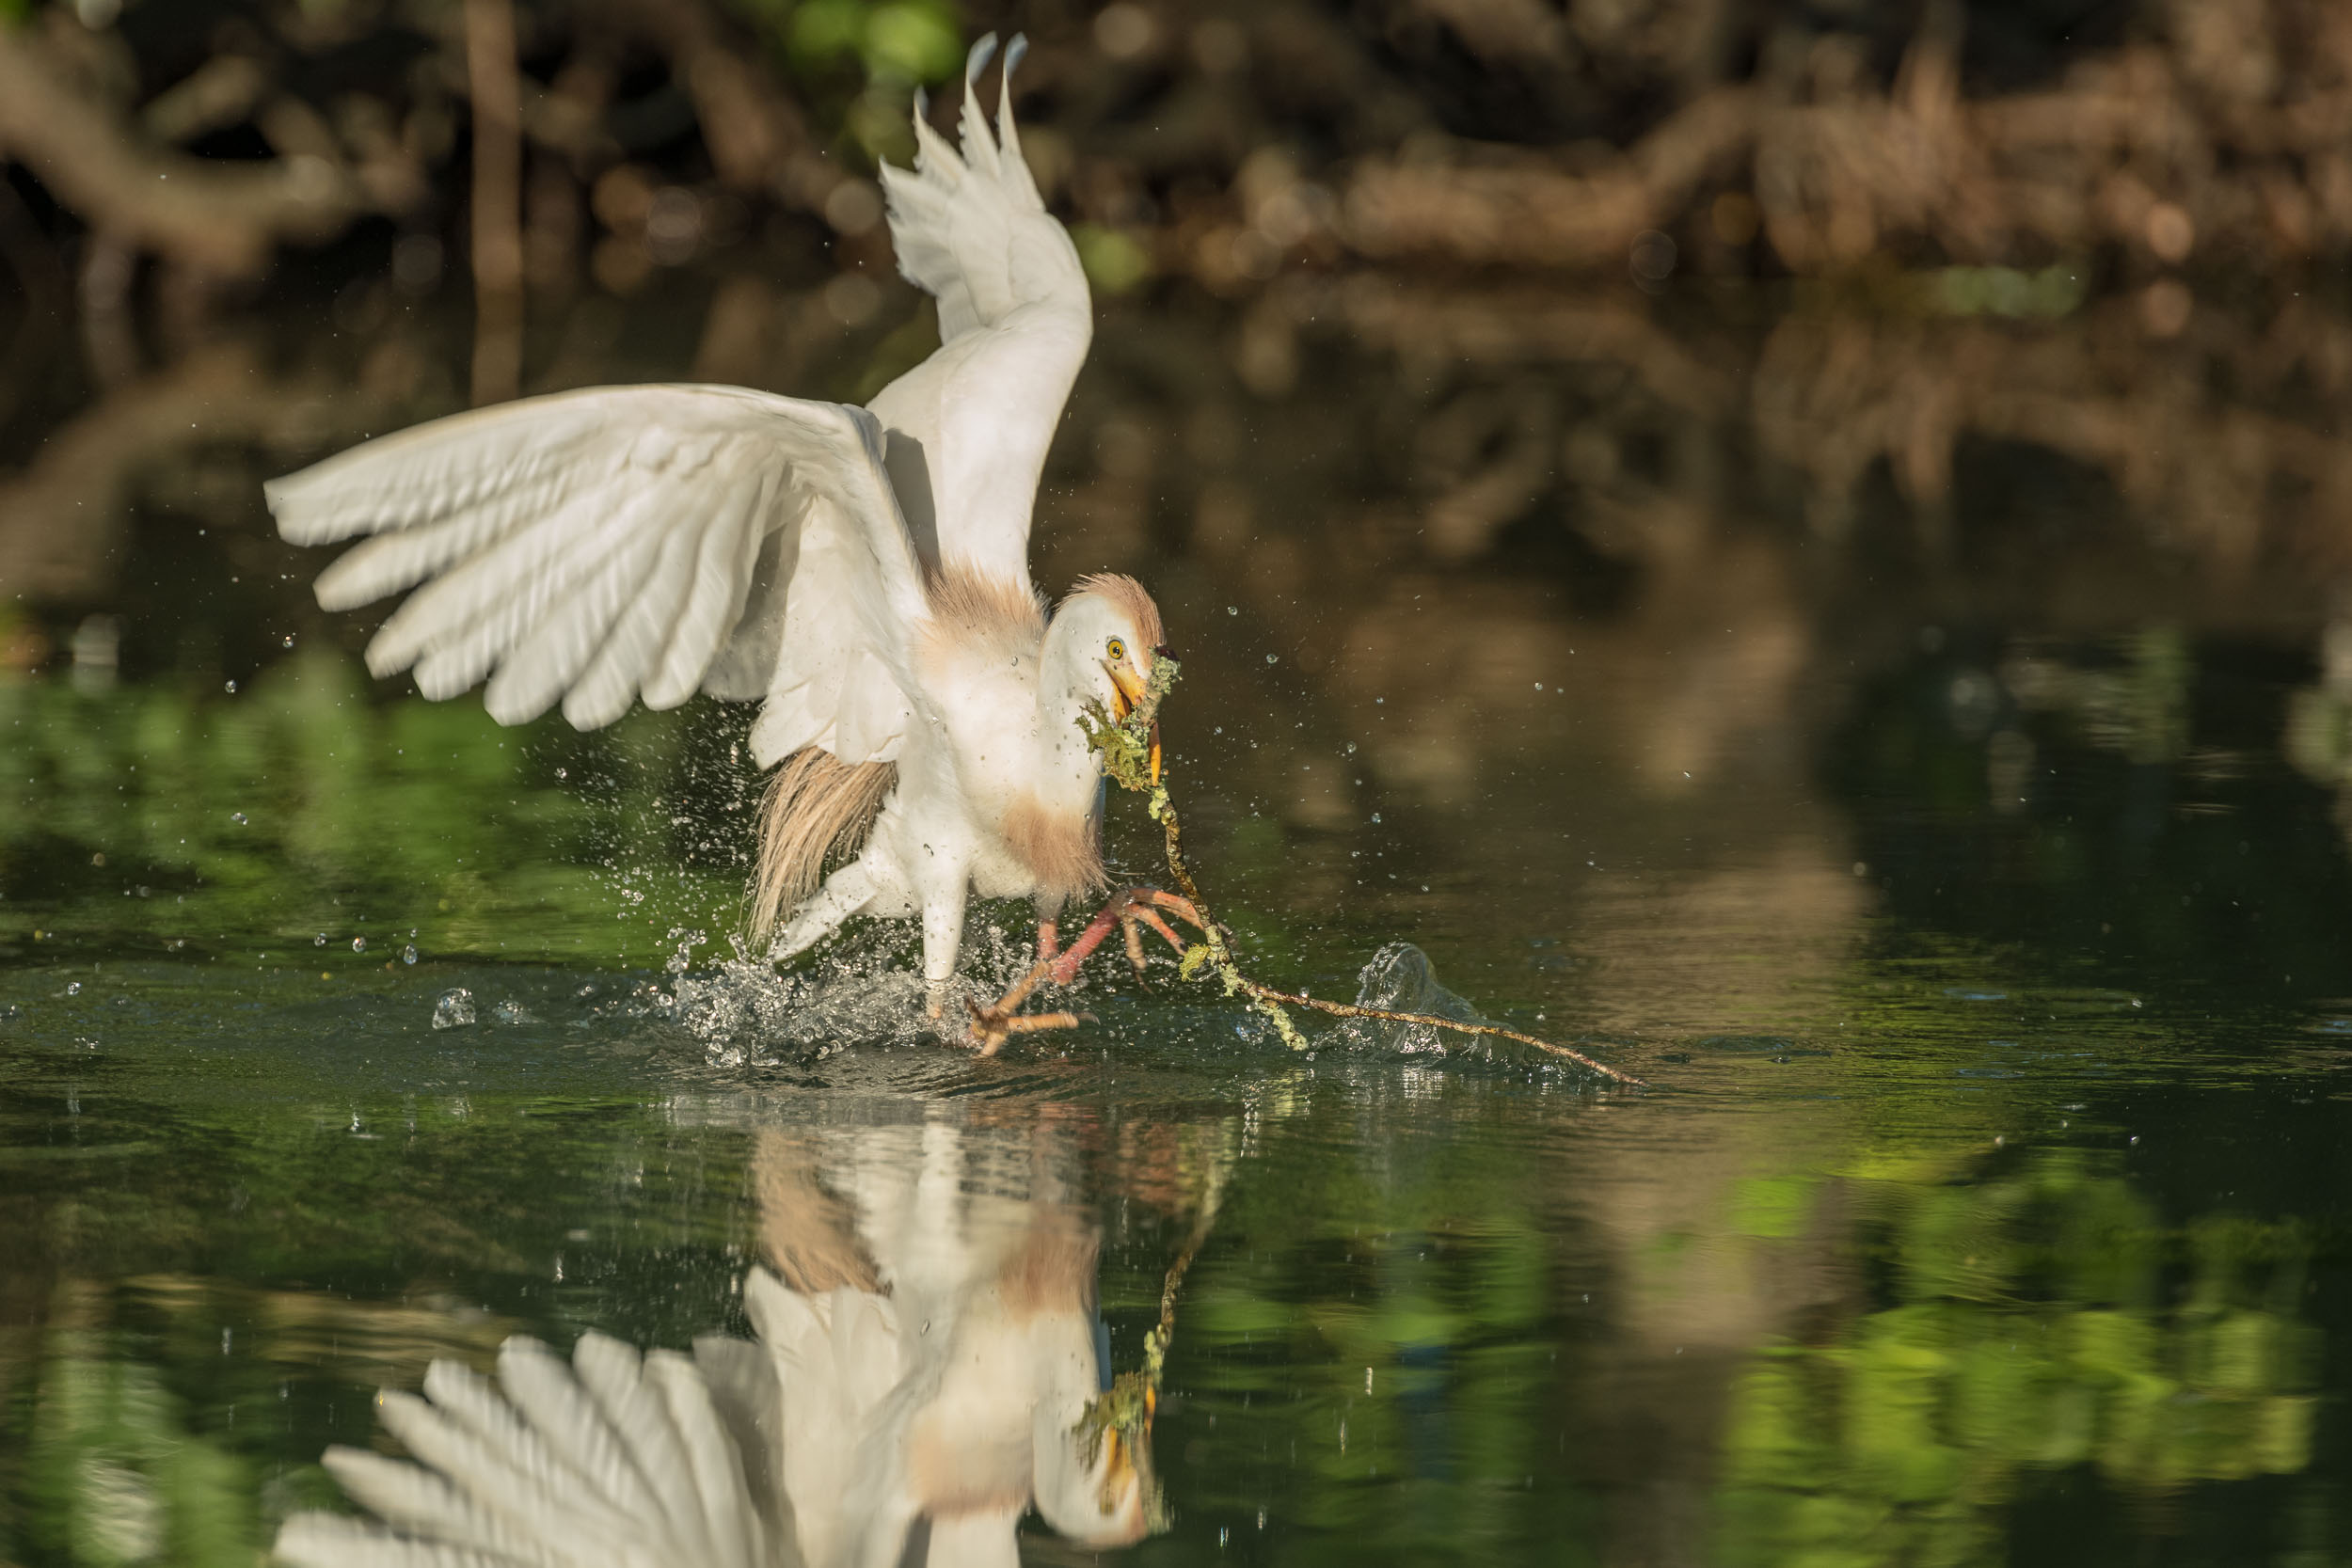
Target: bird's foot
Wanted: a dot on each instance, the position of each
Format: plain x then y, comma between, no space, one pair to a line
1130,912
994,1024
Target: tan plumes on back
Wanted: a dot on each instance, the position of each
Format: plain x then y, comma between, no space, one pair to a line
1129,595
817,804
971,612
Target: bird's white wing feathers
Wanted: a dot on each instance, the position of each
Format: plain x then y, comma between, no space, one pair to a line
1014,323
598,546
611,1462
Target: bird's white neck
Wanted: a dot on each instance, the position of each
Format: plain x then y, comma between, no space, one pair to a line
1068,773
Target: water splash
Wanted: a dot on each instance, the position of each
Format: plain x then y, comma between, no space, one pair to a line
1401,978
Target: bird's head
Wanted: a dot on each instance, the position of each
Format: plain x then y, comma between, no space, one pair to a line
1095,1482
1109,630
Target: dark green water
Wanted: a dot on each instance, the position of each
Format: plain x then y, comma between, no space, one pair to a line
1986,953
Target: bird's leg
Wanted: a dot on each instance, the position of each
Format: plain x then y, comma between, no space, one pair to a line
994,1024
1130,910
1136,904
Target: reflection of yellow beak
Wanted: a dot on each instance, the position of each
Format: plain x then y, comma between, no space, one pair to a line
1127,690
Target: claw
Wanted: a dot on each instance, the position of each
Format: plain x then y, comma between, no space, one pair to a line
991,1026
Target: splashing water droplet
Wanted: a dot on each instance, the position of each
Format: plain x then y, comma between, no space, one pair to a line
73,987
409,953
319,941
358,945
562,773
287,640
1273,658
454,1009
238,818
229,687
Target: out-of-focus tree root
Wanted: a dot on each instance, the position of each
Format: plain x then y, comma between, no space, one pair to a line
1125,746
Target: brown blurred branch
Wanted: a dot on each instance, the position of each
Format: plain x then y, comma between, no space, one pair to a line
757,138
222,216
498,240
61,520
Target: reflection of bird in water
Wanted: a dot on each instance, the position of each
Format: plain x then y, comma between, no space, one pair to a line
924,1375
866,573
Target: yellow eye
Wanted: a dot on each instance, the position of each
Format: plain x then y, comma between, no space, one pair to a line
1117,650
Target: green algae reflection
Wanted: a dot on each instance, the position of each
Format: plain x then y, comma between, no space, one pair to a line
307,807
2040,1323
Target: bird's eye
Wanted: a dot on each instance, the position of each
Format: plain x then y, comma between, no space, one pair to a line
1117,650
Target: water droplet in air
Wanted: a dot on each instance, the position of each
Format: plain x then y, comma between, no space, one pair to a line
229,687
409,953
1273,658
287,640
1375,819
562,773
319,941
358,945
455,1010
73,987
238,818
1233,610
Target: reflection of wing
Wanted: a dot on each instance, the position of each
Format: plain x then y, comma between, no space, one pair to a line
1014,322
835,1358
600,545
609,1460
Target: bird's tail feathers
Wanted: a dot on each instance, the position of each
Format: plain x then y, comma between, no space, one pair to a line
817,806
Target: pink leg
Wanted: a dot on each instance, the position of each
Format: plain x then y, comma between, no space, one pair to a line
1134,905
1139,906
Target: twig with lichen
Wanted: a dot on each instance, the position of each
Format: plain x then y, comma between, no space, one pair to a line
1122,1413
1125,747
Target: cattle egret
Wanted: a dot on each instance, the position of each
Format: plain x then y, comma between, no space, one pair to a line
864,572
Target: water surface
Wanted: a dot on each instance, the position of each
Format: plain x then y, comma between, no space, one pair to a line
1964,872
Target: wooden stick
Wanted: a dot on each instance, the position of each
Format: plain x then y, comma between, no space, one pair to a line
1349,1009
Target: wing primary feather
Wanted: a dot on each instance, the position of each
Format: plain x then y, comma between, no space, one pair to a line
411,1498
402,557
574,1425
1013,165
613,1373
483,605
634,645
979,146
317,1540
548,659
433,470
713,1465
722,581
506,1474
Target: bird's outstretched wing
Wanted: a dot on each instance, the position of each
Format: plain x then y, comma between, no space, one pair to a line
610,1460
970,426
597,545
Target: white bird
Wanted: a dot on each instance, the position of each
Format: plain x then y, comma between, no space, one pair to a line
926,1378
862,572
